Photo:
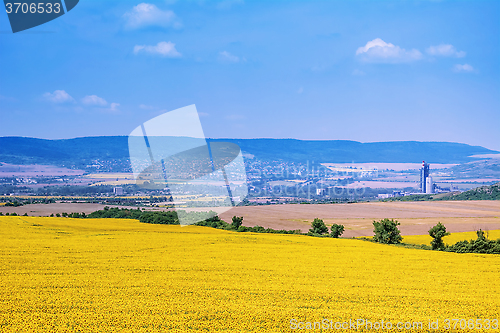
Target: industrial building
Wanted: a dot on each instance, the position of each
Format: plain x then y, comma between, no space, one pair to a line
118,191
426,185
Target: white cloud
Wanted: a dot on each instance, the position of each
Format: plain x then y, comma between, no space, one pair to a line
114,106
465,68
145,14
358,72
164,49
379,51
228,57
58,96
146,107
94,100
445,50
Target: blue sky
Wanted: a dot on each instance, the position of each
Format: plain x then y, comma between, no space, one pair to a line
355,70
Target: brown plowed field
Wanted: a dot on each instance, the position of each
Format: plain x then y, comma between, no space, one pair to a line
416,218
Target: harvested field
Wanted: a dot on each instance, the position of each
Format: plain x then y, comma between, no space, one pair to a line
47,209
416,218
14,170
54,208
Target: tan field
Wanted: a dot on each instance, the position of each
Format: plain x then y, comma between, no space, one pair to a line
416,218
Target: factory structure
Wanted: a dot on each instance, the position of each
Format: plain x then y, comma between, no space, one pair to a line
426,184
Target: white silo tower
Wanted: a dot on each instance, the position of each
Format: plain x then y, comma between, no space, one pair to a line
428,185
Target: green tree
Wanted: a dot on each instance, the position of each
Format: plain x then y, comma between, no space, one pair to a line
336,230
387,232
318,227
480,235
437,232
237,222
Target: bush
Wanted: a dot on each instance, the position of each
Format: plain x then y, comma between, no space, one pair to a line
159,217
437,232
480,245
387,232
237,222
13,204
214,222
318,227
336,230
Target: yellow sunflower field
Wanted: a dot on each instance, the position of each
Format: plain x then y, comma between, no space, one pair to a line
109,275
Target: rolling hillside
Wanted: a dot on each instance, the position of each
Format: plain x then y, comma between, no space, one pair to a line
79,152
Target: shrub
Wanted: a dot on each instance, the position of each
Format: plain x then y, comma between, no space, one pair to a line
437,232
387,232
318,227
336,230
480,245
237,222
214,222
14,204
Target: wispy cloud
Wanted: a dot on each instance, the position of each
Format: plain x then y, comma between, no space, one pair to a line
445,50
94,100
100,104
228,57
113,107
58,96
379,51
146,107
164,49
465,68
300,90
145,14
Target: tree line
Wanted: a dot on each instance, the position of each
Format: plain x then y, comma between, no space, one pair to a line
385,231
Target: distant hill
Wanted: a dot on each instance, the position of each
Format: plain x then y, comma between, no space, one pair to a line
80,152
343,151
491,192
